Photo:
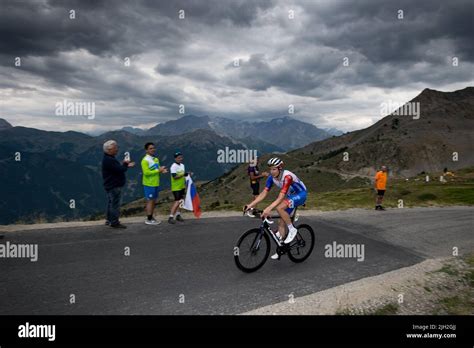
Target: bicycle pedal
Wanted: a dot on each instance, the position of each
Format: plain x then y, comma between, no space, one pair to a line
282,250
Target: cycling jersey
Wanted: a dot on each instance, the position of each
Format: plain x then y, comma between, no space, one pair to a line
290,184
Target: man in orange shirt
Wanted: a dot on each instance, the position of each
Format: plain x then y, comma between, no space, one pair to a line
380,186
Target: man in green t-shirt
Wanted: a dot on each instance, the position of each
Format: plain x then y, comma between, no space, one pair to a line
151,170
178,187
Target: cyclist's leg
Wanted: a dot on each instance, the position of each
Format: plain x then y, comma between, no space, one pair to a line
285,219
281,227
290,203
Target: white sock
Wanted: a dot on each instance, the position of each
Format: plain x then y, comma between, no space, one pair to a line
290,227
171,215
178,213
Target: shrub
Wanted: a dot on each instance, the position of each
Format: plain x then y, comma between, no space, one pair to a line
427,197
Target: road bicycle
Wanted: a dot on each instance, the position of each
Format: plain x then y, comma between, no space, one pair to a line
253,247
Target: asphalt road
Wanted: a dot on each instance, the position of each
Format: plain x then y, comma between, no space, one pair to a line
193,261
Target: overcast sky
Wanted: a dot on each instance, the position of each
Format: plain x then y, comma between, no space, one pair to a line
190,61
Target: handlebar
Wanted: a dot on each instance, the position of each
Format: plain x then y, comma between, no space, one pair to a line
268,221
253,212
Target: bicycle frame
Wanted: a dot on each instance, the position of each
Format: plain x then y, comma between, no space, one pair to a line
296,250
265,228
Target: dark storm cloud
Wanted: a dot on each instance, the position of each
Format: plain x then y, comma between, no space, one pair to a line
373,29
111,27
190,61
171,68
44,28
299,73
383,51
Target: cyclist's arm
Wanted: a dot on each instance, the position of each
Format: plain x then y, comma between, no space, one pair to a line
259,198
263,194
281,198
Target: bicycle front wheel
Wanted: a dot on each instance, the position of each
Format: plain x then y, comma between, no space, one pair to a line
252,250
303,245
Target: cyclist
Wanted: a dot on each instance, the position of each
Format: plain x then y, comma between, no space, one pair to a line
292,194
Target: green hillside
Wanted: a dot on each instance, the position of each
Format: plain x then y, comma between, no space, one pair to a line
329,191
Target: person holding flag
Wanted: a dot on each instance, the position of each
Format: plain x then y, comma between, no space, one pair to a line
178,187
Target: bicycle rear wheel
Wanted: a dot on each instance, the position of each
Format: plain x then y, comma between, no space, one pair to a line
303,245
253,249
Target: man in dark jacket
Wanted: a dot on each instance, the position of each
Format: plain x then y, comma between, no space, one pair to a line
113,173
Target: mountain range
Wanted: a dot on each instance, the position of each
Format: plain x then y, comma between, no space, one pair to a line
406,144
4,124
442,137
279,132
55,167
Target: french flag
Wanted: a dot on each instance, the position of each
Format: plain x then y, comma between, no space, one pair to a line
192,201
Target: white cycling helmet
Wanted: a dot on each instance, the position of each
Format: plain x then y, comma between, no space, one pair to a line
274,162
